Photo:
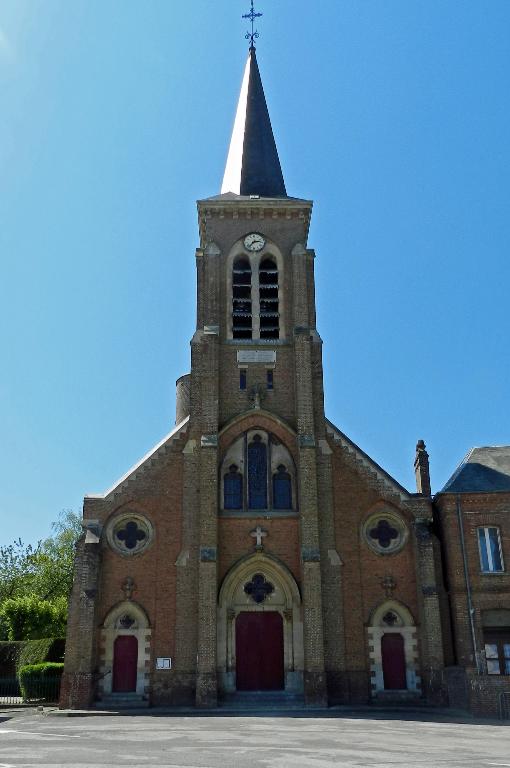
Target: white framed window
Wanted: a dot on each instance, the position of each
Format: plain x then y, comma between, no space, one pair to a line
491,556
497,652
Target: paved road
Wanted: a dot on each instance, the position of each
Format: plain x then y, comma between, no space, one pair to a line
31,739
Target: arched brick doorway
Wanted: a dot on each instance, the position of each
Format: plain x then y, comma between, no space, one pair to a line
393,650
259,598
125,651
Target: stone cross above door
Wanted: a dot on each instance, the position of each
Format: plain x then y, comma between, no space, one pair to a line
259,534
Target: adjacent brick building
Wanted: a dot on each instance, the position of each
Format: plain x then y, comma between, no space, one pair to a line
473,515
257,547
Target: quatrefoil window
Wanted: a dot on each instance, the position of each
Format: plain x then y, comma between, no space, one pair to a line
126,621
390,618
129,534
385,532
258,588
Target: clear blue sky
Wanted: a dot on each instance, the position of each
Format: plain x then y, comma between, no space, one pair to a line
116,116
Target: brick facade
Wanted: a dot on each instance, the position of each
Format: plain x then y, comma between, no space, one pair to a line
351,561
321,549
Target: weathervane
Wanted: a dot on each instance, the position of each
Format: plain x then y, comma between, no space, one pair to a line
253,35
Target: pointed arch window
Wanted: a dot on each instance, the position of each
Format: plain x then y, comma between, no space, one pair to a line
241,299
268,300
257,474
233,488
282,489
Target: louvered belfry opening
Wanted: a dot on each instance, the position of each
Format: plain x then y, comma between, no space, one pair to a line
241,300
268,287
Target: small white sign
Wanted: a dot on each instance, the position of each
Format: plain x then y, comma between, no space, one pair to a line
163,663
256,356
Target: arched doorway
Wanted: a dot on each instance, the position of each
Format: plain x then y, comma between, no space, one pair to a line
260,628
393,650
125,651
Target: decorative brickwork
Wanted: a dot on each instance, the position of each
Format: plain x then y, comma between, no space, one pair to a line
255,502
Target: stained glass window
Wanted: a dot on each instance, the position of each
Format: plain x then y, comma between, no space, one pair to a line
233,489
257,474
383,533
282,489
131,535
258,588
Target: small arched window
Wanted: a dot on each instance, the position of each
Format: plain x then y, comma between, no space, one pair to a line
268,297
241,299
282,489
257,474
233,488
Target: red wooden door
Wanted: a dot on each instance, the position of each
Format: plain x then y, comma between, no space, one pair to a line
125,661
259,651
393,661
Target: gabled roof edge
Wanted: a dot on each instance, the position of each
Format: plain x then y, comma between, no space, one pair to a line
385,476
178,428
456,473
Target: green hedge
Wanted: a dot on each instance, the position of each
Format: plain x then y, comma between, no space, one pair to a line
38,651
40,682
20,653
10,652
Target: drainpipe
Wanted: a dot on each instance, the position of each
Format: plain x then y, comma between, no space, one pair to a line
471,610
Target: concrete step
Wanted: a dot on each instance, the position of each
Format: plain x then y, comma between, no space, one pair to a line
122,701
399,698
265,700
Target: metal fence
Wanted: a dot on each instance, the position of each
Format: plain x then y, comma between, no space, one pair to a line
504,705
43,691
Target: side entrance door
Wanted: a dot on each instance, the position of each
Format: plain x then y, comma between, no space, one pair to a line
125,661
393,661
259,651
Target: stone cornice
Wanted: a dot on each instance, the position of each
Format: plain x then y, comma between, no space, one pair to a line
253,209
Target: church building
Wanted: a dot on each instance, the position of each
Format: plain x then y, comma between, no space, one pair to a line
257,548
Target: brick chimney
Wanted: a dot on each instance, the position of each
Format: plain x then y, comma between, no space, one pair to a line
421,469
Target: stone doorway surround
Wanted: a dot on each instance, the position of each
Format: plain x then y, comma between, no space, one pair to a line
391,616
126,618
285,599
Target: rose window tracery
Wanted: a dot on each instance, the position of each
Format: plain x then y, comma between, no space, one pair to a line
129,534
385,532
258,588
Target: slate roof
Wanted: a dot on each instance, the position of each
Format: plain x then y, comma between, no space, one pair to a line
484,470
253,166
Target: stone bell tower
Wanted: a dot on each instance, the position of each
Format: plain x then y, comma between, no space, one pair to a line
256,364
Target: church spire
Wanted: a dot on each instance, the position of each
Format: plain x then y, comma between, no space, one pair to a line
253,166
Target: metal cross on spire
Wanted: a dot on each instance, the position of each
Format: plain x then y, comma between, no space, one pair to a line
253,35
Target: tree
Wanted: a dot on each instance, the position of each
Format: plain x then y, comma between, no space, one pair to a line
43,572
17,569
54,560
30,618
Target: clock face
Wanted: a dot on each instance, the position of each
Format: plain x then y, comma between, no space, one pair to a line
254,242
